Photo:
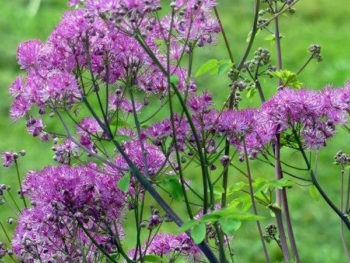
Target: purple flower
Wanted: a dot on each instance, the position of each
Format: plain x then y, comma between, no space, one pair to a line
165,244
237,123
126,132
20,107
118,102
160,131
193,21
89,125
28,52
8,158
200,103
155,159
35,126
102,5
16,87
65,151
74,2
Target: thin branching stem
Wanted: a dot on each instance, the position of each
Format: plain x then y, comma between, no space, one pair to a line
282,193
255,209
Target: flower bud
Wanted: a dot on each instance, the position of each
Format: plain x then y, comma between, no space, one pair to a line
225,160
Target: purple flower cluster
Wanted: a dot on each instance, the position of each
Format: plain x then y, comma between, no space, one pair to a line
160,131
204,116
312,114
195,20
147,157
65,151
89,128
165,244
171,245
315,113
106,49
66,201
100,34
125,105
42,87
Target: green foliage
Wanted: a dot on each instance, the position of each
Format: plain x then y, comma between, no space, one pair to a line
230,213
229,225
198,232
211,66
263,185
172,185
224,67
251,92
288,78
214,67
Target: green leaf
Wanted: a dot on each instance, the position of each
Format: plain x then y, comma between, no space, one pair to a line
224,66
246,204
124,182
211,66
314,193
198,233
210,218
174,79
218,190
229,225
284,182
152,258
237,187
173,186
186,226
288,78
232,212
251,93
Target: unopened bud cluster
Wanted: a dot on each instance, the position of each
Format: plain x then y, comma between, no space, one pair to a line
155,219
315,51
342,158
271,233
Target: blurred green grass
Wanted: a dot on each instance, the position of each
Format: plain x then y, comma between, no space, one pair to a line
317,21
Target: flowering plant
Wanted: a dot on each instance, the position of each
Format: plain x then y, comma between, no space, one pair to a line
122,161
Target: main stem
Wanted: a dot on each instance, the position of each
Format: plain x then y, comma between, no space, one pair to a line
283,193
279,196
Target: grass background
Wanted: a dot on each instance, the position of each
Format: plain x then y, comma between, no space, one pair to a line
317,21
